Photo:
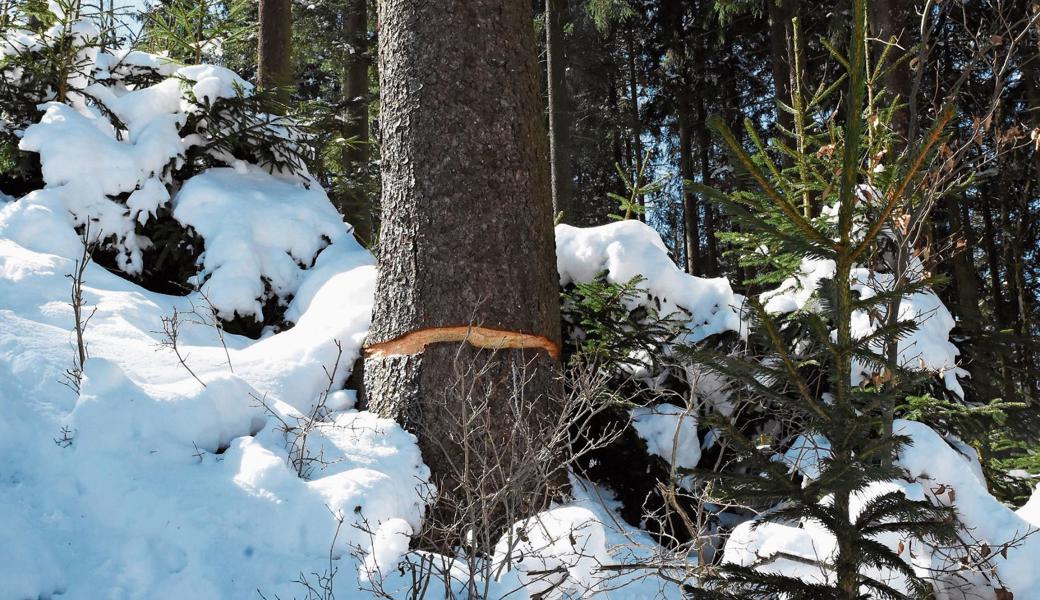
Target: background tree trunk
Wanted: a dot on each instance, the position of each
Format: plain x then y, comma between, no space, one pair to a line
780,35
467,234
890,20
274,47
636,161
691,213
354,200
559,111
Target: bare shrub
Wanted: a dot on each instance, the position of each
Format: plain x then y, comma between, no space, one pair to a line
507,462
171,327
298,429
73,377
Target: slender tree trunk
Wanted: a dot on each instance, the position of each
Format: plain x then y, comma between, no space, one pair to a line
681,94
354,196
965,278
691,215
711,258
559,112
274,47
615,103
636,121
780,35
1007,244
890,21
711,262
467,237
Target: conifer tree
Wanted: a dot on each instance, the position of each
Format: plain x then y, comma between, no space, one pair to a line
807,372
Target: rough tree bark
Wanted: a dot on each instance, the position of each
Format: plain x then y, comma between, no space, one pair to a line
467,233
274,46
559,112
353,199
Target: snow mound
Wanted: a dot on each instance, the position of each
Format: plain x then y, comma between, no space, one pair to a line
570,539
163,487
627,249
261,234
133,152
670,432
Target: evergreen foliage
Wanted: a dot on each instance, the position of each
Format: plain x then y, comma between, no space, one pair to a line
616,327
198,31
809,381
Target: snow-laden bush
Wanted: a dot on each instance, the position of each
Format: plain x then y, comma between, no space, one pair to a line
178,171
995,551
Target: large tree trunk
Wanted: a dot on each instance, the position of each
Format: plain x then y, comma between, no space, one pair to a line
559,112
353,198
274,47
467,236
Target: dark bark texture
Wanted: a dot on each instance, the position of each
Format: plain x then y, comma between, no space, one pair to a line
274,45
781,35
891,23
467,233
559,111
354,203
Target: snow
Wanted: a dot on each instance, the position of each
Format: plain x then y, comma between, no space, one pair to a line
260,231
212,82
626,249
140,504
1030,511
927,348
670,432
570,539
936,471
389,545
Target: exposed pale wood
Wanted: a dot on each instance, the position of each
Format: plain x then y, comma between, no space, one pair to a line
479,337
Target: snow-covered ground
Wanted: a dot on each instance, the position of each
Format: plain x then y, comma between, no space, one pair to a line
172,486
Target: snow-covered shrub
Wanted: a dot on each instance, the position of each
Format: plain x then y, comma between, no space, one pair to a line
626,308
993,550
178,169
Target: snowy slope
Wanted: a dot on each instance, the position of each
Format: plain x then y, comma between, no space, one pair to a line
131,509
169,488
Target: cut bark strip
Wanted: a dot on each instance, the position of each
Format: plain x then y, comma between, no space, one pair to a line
479,337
